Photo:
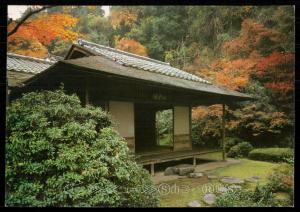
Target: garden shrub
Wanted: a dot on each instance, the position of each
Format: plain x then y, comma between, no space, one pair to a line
230,142
240,150
59,153
205,133
261,197
282,179
271,154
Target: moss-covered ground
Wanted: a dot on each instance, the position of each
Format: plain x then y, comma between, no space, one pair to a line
178,193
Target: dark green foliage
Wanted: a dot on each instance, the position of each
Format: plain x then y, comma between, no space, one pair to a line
261,197
231,141
240,150
197,138
271,154
259,122
59,153
206,132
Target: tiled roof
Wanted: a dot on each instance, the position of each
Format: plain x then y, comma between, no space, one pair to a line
104,65
140,62
26,64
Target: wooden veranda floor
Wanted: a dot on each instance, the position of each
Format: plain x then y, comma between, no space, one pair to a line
146,158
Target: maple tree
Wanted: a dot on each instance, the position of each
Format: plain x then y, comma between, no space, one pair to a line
30,12
278,70
43,29
131,46
253,36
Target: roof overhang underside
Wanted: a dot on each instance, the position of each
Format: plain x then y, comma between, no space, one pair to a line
102,66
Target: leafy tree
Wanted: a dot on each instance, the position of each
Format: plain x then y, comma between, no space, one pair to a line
44,29
59,153
131,46
277,73
259,121
206,126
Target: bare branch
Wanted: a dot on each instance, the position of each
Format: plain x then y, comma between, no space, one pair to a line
25,17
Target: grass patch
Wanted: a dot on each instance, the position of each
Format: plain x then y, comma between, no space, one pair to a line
247,168
211,156
165,140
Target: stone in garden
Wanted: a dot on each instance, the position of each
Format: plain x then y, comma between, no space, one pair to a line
194,204
252,179
209,199
169,171
235,187
222,189
183,169
212,177
232,180
195,175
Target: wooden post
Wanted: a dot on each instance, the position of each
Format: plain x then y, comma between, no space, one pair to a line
7,96
223,133
152,169
86,91
194,161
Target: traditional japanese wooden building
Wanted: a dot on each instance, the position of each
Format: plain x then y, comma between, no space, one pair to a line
131,88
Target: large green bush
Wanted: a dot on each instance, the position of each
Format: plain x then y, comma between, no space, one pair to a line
271,154
240,150
59,153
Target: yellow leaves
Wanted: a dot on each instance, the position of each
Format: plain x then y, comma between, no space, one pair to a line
122,16
131,46
33,48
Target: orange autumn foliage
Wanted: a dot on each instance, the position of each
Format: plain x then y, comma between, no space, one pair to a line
131,46
251,37
43,30
201,111
232,74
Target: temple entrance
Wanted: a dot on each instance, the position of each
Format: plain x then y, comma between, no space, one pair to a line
153,128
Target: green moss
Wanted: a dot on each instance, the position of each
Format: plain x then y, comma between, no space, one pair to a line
211,156
189,189
247,168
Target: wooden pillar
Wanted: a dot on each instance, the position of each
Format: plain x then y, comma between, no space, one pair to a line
152,169
87,100
7,96
223,133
